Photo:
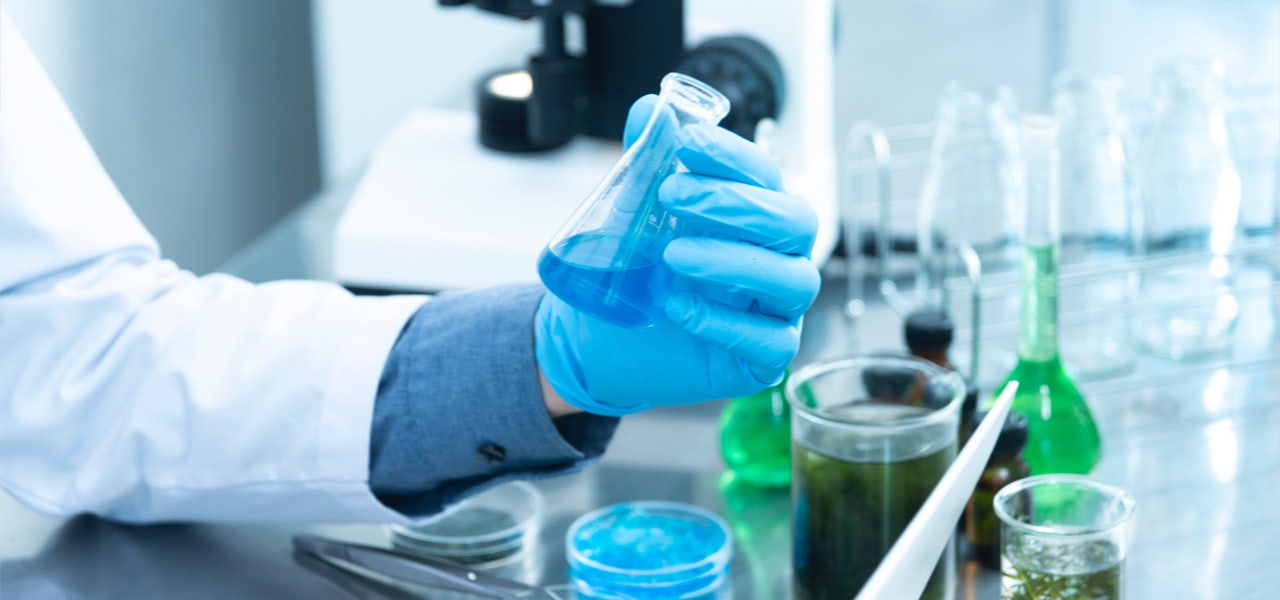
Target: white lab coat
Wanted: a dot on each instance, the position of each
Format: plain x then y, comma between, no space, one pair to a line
133,389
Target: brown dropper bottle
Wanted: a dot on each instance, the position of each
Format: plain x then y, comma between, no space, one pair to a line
928,333
1006,465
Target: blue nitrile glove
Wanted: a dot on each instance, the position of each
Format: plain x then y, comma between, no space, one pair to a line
744,283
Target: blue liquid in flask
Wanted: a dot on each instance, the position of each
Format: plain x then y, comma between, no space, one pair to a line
595,273
606,260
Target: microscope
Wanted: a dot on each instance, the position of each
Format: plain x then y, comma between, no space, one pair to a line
628,48
456,199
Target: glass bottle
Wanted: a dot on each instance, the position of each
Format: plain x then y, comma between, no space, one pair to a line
755,437
1006,465
1190,193
606,260
1097,191
928,333
970,189
1062,437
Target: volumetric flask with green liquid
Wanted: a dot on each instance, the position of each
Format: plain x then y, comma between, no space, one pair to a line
607,259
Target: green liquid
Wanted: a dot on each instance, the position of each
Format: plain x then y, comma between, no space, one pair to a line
848,514
755,438
1062,436
1039,574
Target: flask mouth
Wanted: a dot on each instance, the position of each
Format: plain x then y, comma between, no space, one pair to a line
695,97
964,105
1183,82
1079,94
1188,73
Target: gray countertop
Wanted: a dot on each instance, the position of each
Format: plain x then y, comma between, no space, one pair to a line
1198,447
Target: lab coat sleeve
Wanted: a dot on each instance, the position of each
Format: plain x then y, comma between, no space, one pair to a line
437,439
135,390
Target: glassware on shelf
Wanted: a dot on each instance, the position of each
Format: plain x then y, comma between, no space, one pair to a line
607,258
1097,202
970,190
1062,536
1190,196
1062,436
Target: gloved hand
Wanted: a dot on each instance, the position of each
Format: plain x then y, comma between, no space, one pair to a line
745,281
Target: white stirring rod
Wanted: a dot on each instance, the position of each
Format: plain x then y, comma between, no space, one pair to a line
906,569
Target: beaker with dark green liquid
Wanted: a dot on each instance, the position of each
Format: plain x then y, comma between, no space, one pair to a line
871,438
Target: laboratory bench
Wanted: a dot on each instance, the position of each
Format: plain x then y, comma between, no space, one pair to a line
1197,445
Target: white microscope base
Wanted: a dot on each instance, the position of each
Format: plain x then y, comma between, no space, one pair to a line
435,210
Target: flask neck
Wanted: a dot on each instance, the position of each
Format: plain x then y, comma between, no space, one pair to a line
682,101
1040,241
1088,105
1190,90
1039,332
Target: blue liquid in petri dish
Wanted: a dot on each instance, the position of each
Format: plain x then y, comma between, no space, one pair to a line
650,550
597,273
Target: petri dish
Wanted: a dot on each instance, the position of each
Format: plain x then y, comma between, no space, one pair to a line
488,530
569,592
649,550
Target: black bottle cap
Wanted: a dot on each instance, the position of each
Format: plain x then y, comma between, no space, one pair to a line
929,329
1013,436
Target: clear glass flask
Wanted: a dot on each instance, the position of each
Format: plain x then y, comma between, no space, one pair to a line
1097,200
970,190
606,260
1061,434
1190,194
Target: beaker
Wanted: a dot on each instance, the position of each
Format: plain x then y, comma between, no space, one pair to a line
871,438
606,260
971,188
1062,536
1190,195
1097,199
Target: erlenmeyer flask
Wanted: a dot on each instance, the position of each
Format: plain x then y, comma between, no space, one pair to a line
1097,190
1190,194
606,260
755,437
972,185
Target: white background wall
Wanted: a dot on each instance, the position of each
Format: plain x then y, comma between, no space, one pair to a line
379,59
202,111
